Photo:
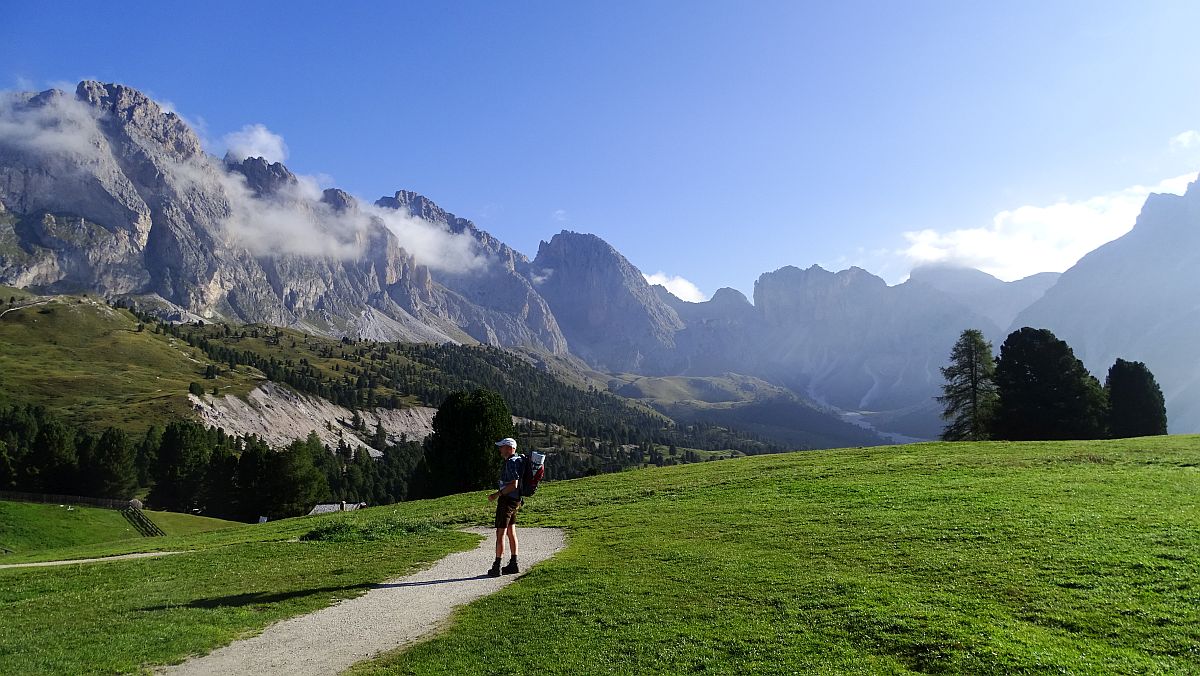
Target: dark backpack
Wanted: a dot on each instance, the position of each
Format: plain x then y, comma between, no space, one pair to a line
531,476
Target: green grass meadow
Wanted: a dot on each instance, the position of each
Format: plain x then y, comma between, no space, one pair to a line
988,558
87,361
26,529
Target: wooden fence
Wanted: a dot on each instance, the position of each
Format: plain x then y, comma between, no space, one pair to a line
142,523
106,503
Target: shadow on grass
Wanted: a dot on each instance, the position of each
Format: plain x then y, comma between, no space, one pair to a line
394,585
255,598
260,599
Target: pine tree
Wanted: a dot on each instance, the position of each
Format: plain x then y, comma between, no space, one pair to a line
1045,391
969,395
293,482
182,465
110,471
1136,406
461,452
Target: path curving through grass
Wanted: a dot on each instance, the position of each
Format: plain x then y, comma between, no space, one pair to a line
391,615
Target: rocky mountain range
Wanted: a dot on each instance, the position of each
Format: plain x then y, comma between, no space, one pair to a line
106,192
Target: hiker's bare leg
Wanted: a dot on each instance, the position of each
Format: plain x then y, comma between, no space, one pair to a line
512,540
500,542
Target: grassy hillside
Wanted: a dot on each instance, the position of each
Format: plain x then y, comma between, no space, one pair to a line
27,527
89,362
995,558
952,558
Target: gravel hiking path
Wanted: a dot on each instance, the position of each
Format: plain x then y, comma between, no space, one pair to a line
388,616
121,557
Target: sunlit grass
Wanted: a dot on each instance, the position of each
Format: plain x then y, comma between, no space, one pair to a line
994,558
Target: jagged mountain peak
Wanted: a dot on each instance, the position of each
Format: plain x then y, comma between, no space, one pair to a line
606,308
139,115
263,177
340,200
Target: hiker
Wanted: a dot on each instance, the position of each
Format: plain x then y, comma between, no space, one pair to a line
508,501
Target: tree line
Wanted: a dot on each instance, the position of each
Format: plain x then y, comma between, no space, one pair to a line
1037,389
190,467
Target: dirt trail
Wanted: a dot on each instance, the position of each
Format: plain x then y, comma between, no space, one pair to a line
390,615
122,557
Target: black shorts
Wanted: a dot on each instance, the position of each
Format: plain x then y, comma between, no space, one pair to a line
506,511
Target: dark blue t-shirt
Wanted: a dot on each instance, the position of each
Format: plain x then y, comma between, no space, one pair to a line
509,471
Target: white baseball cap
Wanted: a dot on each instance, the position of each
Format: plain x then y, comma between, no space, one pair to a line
508,441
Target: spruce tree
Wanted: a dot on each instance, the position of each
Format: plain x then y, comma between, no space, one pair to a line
181,468
969,395
1044,391
461,453
1136,406
110,471
293,484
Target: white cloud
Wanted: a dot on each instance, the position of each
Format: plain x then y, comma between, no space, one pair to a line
58,124
559,215
1031,239
678,286
255,140
294,221
1186,140
429,243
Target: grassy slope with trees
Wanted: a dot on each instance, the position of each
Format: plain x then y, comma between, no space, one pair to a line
95,366
90,363
985,558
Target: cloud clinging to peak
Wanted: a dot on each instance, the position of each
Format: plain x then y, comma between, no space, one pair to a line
255,140
59,125
678,286
1031,239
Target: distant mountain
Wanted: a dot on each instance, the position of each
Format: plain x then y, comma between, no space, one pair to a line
1138,298
103,191
607,310
990,297
113,194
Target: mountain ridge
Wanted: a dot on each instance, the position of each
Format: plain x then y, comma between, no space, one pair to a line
110,193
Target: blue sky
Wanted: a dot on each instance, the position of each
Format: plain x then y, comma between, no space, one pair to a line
709,141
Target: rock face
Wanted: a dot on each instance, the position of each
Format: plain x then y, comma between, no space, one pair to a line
495,303
279,415
608,312
1137,298
109,193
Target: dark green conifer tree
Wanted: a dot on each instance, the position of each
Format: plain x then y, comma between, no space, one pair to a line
110,471
1136,405
1045,391
293,483
461,453
182,465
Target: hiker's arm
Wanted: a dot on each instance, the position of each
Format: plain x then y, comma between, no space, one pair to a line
507,489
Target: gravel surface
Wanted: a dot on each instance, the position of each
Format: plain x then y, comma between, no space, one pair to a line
390,615
121,557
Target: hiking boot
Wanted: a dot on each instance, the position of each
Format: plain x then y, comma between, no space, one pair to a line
494,571
511,568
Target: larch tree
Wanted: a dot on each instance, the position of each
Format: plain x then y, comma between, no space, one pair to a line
969,395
